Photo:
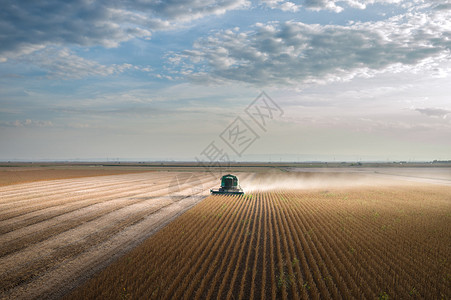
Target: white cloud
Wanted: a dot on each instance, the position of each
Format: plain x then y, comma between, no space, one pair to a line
27,123
27,26
331,5
189,10
434,112
282,5
295,52
64,64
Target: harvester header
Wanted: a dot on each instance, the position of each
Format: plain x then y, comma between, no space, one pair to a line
229,186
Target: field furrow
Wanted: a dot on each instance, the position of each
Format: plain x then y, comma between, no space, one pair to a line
361,242
293,245
92,227
29,192
60,197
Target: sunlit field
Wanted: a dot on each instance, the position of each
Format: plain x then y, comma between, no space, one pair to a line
352,243
56,233
295,234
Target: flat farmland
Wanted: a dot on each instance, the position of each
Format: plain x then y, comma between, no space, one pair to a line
387,241
56,233
305,234
23,174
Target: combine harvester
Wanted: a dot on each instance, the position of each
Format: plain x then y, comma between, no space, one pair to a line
229,186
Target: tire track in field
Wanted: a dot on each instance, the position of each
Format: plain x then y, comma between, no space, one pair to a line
111,229
110,218
26,190
75,270
46,254
27,197
60,203
35,201
73,204
31,234
47,199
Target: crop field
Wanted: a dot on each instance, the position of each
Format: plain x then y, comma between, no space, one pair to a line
158,235
55,234
372,242
17,175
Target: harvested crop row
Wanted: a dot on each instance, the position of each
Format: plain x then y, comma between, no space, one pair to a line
27,191
58,205
33,196
354,243
109,207
20,175
38,244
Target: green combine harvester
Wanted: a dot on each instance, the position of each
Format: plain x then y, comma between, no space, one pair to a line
229,186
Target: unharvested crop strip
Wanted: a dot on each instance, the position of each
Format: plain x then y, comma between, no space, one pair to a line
349,285
257,249
264,292
288,234
379,269
307,245
370,268
223,253
228,247
256,219
213,256
246,218
241,215
325,255
203,253
307,258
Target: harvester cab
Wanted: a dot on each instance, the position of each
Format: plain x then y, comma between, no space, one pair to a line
229,186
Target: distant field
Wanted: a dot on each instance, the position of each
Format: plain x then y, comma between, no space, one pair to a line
391,242
16,175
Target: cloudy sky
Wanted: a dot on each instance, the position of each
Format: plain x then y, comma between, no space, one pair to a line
170,80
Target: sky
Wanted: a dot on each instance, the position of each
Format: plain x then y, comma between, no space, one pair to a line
219,80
